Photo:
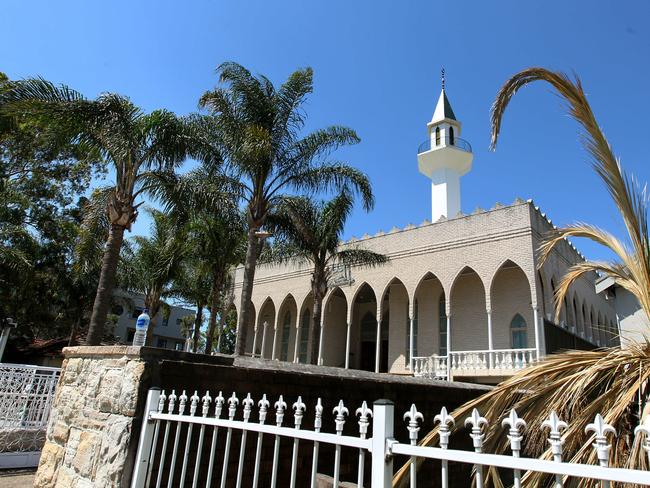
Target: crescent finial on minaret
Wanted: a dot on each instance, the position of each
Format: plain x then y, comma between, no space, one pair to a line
442,76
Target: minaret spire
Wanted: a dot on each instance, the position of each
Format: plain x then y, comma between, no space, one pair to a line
442,77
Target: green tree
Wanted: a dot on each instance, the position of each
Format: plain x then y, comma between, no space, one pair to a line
265,154
134,143
579,384
154,262
307,231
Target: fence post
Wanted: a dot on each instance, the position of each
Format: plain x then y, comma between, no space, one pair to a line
383,412
143,455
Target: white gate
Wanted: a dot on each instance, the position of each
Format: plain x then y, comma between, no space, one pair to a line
26,394
182,443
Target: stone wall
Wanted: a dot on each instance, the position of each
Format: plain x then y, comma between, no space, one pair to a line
96,417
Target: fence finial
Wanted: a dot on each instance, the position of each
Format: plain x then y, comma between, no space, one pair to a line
445,421
477,422
207,399
318,419
601,429
364,414
264,406
248,405
172,402
516,425
161,401
341,411
233,401
299,410
194,401
280,407
218,404
413,426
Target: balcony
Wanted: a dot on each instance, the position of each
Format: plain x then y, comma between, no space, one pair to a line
497,362
457,143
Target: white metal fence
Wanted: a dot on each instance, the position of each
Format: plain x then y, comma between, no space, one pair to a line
186,442
26,394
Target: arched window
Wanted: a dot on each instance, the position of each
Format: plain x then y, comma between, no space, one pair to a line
442,326
566,313
286,332
304,337
415,333
451,136
518,333
437,136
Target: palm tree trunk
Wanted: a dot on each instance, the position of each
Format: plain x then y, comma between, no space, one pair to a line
318,289
197,326
105,286
153,304
247,291
214,307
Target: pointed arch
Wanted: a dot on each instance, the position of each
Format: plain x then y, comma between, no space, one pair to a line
285,332
511,296
334,321
467,301
431,315
264,341
363,340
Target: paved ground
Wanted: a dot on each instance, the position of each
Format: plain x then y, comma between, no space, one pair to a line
16,479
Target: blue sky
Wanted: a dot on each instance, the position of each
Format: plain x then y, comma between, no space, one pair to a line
377,70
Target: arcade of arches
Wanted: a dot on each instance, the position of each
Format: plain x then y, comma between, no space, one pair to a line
378,328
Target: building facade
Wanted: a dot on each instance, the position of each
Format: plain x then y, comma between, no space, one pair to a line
462,297
167,332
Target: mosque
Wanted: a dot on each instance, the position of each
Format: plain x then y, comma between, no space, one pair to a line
462,296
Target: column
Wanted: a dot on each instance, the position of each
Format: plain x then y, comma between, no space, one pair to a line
347,346
411,341
320,342
266,325
449,345
254,341
490,339
378,344
275,339
295,349
537,333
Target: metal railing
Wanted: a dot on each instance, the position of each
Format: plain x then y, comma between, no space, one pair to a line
179,447
26,395
457,142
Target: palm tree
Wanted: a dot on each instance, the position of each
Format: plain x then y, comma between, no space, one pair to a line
206,201
134,143
266,155
152,265
306,231
579,384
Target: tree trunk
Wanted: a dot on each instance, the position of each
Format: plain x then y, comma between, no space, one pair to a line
244,318
222,320
318,289
153,304
197,326
105,287
214,306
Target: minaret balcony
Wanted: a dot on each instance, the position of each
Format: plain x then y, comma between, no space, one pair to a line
457,143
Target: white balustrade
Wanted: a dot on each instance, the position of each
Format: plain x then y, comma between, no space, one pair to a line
382,446
496,361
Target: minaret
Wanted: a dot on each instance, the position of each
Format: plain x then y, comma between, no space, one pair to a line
444,157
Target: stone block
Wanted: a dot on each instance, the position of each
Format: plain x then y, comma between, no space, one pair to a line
60,433
85,455
48,466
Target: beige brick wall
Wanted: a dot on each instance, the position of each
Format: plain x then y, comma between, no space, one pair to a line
498,245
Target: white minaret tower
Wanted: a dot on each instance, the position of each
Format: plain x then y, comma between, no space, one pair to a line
444,157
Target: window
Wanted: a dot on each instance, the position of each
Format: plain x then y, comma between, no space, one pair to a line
437,136
165,321
415,333
451,136
117,310
136,312
286,331
304,336
179,346
162,343
179,321
442,326
518,333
